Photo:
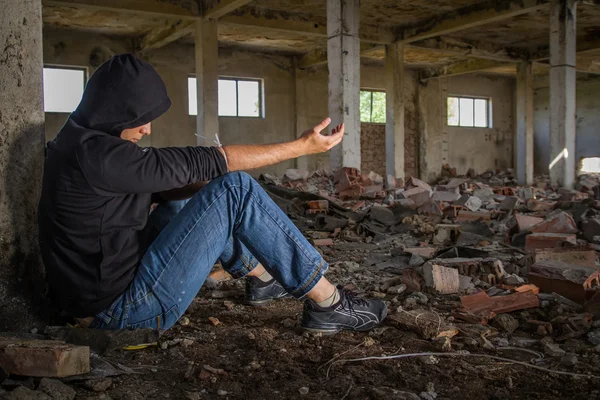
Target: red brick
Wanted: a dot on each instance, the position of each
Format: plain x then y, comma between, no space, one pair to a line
41,358
568,280
548,240
318,204
465,216
481,302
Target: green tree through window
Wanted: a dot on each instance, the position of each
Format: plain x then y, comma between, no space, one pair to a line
372,106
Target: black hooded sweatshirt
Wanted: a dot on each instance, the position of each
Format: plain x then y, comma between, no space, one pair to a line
97,187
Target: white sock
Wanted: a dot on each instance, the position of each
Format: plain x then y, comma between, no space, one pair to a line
331,300
265,277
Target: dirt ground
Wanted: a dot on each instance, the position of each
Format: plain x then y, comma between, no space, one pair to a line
259,353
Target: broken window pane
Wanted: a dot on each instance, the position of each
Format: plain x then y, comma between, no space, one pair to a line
227,98
63,89
481,112
453,111
378,112
590,165
365,106
466,112
248,99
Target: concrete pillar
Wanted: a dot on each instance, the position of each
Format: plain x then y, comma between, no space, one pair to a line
343,59
394,101
562,92
302,123
207,81
524,136
21,161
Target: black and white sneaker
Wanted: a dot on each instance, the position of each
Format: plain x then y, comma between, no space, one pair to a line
259,293
351,313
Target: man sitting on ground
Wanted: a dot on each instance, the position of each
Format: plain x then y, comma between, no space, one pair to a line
109,259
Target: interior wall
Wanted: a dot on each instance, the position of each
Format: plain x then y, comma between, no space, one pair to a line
175,63
464,148
312,107
588,121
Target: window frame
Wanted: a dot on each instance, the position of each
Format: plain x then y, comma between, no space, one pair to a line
71,68
261,105
371,91
488,108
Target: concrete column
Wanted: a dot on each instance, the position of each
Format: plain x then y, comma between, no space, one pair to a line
21,161
207,80
394,101
562,92
524,136
300,108
343,59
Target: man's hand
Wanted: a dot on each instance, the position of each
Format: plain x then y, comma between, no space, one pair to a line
314,142
246,157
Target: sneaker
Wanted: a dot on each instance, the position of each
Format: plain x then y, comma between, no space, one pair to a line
259,293
351,313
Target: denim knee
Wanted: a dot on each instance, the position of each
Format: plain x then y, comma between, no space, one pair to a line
240,177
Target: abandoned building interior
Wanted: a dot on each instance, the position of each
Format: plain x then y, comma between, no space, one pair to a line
427,89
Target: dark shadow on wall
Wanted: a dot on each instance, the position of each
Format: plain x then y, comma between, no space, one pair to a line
23,303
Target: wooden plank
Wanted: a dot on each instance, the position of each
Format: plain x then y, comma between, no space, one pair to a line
481,302
160,37
224,7
153,8
465,19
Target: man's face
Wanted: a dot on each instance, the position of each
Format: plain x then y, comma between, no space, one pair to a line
135,134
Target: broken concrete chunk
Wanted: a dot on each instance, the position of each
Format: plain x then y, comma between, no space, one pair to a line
506,323
524,222
424,252
448,197
296,174
418,195
568,280
579,255
44,358
591,229
552,349
484,194
560,222
548,240
473,203
23,393
414,182
465,284
509,203
56,389
446,234
441,279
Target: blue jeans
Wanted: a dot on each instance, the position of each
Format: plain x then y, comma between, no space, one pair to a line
232,219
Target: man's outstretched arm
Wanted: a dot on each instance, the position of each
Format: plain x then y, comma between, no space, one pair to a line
246,157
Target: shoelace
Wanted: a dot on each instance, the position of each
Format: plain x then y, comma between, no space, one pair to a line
352,299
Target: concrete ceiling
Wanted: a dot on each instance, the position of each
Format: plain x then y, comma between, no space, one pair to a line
528,31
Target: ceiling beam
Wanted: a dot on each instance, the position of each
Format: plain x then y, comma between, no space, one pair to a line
471,49
161,36
371,34
584,44
319,57
471,17
153,8
223,7
461,68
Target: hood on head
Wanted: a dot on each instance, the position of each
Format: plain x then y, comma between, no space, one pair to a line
124,92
